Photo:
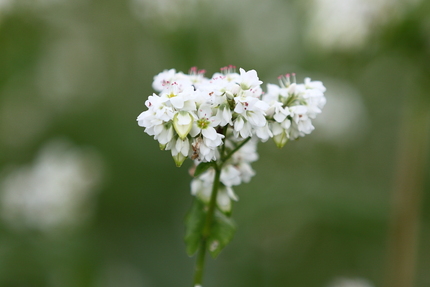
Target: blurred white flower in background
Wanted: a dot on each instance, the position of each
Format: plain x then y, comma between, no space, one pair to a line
349,282
345,118
69,73
5,6
347,24
55,191
165,12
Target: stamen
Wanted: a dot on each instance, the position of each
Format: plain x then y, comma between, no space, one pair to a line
288,82
193,70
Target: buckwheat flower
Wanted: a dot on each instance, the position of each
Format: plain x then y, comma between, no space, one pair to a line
164,134
314,97
247,153
165,78
241,159
224,198
264,132
251,115
203,190
203,152
196,76
224,114
180,150
301,124
280,134
248,80
161,131
242,128
246,171
204,125
228,74
180,95
230,175
318,85
227,81
277,111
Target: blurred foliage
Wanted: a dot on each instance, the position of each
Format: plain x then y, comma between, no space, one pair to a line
318,209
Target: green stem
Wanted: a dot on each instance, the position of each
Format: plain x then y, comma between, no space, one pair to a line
198,270
235,150
200,262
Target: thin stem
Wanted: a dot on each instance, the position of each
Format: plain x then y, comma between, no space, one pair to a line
235,150
200,262
198,270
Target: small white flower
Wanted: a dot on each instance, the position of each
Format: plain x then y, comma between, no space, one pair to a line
180,150
230,175
224,115
180,95
248,80
204,125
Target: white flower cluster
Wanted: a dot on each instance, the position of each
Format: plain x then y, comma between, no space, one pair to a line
202,118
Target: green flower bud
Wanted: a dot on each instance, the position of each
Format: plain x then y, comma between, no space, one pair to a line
179,159
182,123
281,139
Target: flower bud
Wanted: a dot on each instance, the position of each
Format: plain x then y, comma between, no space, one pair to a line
179,159
182,123
280,139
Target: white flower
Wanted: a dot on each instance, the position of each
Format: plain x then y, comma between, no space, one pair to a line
202,152
224,115
202,188
252,109
301,124
164,79
263,133
180,95
204,125
248,80
230,175
180,150
242,128
318,85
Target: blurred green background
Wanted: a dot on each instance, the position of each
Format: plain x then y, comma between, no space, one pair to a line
88,199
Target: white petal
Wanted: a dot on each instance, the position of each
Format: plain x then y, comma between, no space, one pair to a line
177,102
209,133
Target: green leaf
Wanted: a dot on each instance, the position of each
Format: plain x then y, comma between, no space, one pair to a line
222,232
202,167
194,222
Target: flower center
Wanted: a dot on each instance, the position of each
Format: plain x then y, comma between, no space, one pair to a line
203,123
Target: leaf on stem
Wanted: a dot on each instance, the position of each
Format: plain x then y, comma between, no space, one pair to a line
194,222
222,232
202,167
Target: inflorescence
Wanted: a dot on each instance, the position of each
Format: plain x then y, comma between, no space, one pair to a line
205,118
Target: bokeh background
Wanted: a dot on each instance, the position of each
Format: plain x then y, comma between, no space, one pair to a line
88,199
